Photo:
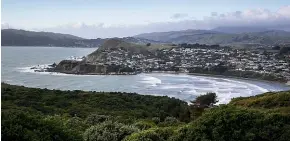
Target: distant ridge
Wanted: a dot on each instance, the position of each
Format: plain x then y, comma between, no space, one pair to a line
239,29
15,37
222,36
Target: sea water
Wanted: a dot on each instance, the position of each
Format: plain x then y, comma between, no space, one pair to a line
17,61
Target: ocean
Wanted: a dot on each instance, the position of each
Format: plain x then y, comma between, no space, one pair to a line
17,61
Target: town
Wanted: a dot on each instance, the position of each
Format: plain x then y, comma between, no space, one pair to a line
195,58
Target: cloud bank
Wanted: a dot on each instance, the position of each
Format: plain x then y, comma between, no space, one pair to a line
179,16
279,19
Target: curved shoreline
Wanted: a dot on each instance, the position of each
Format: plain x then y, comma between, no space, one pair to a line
223,76
173,72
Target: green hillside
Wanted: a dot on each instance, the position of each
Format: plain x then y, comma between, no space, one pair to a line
268,37
42,114
132,48
15,37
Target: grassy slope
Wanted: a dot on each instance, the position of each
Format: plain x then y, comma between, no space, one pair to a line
130,47
277,102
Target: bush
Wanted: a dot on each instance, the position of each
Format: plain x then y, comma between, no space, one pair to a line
205,100
266,100
171,120
108,131
154,134
21,126
76,124
95,119
143,125
156,120
232,123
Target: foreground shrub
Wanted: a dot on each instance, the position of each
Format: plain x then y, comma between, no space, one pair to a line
108,131
21,126
153,134
156,120
95,119
231,123
143,125
76,124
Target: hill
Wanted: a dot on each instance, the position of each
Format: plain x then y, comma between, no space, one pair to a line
268,37
14,37
239,29
42,114
119,44
270,102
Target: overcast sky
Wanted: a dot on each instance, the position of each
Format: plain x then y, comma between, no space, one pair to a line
119,18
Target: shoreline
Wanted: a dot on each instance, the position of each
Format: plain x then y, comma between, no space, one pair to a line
225,76
196,74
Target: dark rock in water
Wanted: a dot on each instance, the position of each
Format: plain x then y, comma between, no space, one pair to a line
52,65
33,68
41,70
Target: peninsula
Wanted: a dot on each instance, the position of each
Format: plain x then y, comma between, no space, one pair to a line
118,57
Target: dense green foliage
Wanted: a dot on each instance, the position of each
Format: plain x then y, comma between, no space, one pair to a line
266,100
22,126
153,134
108,131
42,114
205,100
232,123
82,104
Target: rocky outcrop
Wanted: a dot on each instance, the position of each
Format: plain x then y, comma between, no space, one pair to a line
81,67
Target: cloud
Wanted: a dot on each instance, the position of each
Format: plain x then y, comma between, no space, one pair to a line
5,25
179,16
279,19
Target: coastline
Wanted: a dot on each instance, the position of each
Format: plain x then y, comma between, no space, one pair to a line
222,76
196,74
235,77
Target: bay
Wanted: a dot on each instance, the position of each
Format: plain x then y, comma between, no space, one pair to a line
17,61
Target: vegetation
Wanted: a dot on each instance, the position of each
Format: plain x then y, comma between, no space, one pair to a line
42,114
210,37
14,37
205,100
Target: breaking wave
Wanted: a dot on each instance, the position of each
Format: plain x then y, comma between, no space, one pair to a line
152,81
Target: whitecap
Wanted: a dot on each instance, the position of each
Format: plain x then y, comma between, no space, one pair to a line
153,81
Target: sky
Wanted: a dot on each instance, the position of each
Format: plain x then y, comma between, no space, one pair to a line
119,18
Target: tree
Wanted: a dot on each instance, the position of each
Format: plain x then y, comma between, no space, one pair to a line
205,100
284,50
153,134
148,44
95,119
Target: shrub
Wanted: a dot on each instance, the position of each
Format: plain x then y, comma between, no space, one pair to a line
205,100
21,126
76,124
232,123
108,131
156,120
143,125
154,134
171,120
95,119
